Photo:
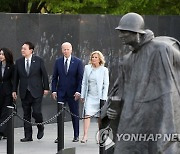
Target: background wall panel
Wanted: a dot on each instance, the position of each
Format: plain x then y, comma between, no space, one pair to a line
86,33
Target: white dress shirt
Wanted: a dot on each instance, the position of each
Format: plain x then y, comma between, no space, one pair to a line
29,60
68,62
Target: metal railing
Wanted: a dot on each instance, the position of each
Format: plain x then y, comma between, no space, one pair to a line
10,122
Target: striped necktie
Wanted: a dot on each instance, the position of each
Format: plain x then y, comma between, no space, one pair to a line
66,66
27,66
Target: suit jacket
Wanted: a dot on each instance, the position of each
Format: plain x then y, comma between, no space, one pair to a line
6,80
69,83
36,81
102,78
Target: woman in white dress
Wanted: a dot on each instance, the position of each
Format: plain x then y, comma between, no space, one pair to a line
95,85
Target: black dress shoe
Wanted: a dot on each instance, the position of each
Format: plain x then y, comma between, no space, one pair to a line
4,137
26,139
40,133
75,139
56,140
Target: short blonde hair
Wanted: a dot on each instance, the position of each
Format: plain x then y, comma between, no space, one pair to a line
101,57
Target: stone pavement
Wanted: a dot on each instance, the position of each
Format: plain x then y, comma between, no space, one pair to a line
47,146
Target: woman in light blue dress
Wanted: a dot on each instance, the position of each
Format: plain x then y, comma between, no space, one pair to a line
95,85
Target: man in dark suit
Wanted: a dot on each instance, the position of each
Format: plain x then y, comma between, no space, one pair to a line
66,83
31,73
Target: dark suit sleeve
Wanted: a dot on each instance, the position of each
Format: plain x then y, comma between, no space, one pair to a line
55,77
80,76
44,76
12,73
15,77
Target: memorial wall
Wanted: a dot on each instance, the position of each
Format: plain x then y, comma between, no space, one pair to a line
85,32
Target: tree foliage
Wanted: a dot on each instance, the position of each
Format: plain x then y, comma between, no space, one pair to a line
150,7
115,7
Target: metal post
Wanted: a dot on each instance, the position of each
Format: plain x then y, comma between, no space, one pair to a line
101,126
101,145
10,135
60,122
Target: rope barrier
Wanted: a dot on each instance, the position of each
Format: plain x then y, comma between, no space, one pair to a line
7,119
14,113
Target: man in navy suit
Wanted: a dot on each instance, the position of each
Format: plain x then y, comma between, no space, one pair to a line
66,83
31,72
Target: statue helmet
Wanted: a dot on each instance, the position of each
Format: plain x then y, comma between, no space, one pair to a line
131,22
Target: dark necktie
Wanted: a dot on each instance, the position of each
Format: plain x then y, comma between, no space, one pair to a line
66,66
27,66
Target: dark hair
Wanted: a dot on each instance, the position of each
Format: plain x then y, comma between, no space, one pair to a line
8,55
31,45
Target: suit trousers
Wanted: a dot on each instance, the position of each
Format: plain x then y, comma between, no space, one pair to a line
74,108
5,101
31,107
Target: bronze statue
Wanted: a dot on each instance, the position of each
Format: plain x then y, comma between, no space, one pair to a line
149,88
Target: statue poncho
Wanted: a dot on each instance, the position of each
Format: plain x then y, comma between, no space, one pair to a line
150,90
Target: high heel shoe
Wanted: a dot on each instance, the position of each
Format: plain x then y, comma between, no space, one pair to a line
84,141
